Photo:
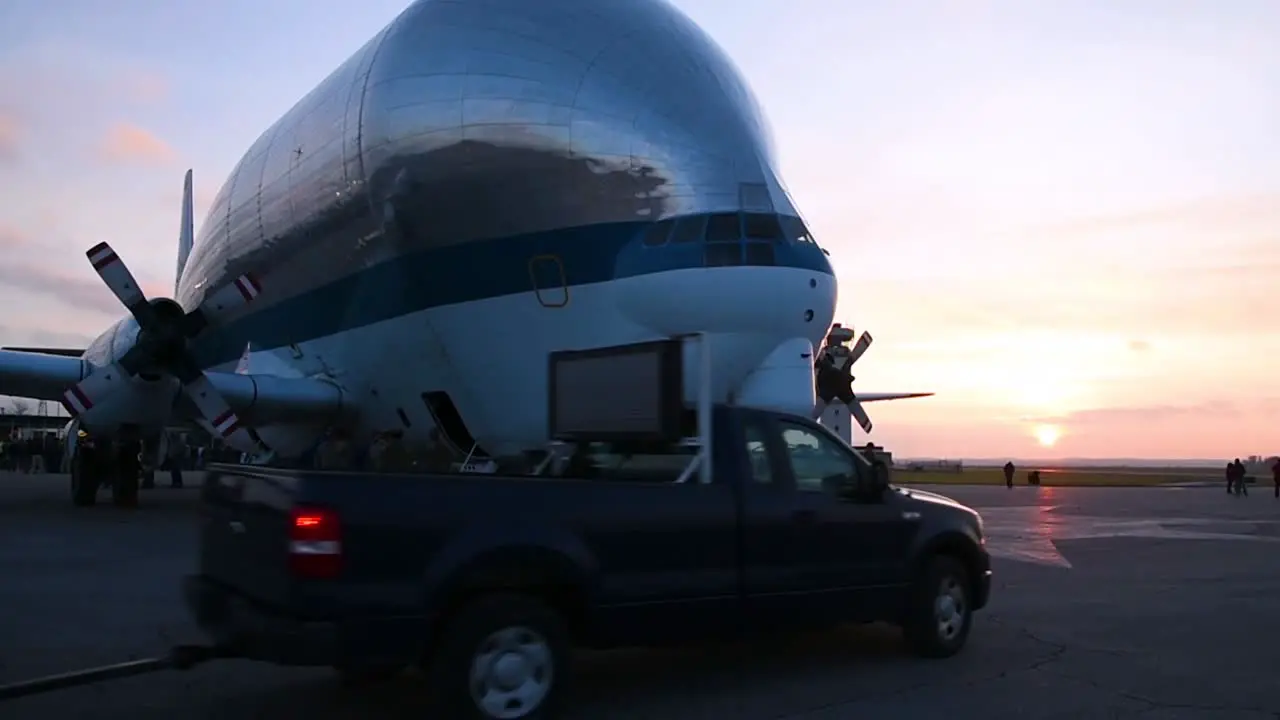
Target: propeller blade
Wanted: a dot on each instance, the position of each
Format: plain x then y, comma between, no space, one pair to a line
860,347
859,414
818,408
119,280
221,417
81,397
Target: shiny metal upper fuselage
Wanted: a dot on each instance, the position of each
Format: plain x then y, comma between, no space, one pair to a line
464,124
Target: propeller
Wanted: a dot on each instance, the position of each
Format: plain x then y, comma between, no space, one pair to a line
834,376
165,331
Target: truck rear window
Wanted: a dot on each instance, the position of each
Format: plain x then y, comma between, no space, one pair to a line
605,461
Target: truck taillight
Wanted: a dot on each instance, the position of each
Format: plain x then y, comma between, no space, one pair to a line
315,543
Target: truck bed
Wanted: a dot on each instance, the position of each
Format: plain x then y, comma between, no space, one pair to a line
402,536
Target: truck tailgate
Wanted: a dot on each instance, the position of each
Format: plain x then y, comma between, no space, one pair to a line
245,528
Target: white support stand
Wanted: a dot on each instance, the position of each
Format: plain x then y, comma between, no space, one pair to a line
704,409
835,417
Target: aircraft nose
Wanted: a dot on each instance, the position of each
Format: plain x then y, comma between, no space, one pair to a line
672,291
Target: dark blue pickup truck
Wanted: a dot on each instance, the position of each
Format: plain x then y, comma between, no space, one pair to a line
486,582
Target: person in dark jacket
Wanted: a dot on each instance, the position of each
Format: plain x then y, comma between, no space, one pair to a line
1008,474
1275,476
1237,476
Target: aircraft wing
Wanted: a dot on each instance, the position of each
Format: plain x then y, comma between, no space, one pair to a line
258,399
38,375
63,352
873,397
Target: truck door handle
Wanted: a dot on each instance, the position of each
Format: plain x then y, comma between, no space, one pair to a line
804,516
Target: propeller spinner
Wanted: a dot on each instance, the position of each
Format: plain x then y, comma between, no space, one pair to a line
164,333
834,380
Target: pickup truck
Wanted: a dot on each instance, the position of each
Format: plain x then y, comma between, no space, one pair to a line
486,582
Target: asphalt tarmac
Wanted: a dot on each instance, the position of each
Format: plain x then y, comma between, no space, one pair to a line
1159,604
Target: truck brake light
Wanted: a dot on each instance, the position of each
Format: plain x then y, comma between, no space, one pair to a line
315,543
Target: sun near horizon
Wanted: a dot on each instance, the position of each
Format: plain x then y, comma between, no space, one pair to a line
1048,435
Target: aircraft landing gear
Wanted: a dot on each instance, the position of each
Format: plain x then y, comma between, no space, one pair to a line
84,486
124,487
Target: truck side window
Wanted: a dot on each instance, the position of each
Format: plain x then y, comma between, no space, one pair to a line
815,458
758,455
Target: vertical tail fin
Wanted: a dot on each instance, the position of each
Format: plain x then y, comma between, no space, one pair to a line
186,234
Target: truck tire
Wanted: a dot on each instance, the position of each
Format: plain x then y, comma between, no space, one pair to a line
84,490
939,609
503,656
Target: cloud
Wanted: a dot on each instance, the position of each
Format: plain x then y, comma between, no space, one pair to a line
144,86
1147,415
1207,214
10,136
127,143
1139,346
11,237
31,337
1229,299
77,289
53,76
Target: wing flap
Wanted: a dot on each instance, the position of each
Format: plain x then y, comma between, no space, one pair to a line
64,352
876,397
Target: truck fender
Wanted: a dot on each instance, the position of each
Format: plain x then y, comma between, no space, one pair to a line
956,543
512,557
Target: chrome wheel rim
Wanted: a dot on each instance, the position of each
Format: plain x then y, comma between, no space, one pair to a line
949,608
511,673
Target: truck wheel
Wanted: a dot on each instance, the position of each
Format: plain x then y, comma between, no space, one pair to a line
84,490
940,609
502,657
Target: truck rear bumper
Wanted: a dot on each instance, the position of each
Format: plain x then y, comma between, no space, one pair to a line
255,633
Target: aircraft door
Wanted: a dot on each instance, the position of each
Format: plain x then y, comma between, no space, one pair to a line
550,286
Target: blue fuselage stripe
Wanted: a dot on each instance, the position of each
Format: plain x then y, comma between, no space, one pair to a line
466,272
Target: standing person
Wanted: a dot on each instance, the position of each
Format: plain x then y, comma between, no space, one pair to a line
1231,476
128,468
1237,473
177,456
1275,476
335,453
1008,474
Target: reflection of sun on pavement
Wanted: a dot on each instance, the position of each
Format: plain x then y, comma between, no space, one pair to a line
1023,533
1028,533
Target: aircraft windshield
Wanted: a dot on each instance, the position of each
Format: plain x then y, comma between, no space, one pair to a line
795,231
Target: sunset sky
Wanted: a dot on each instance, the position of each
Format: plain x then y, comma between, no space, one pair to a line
1062,215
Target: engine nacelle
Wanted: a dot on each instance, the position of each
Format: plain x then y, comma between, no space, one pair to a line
147,402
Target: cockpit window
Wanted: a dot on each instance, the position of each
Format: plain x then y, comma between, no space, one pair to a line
758,253
657,234
723,254
723,227
760,226
795,231
689,229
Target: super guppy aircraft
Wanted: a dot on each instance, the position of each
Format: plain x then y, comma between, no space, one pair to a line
482,183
